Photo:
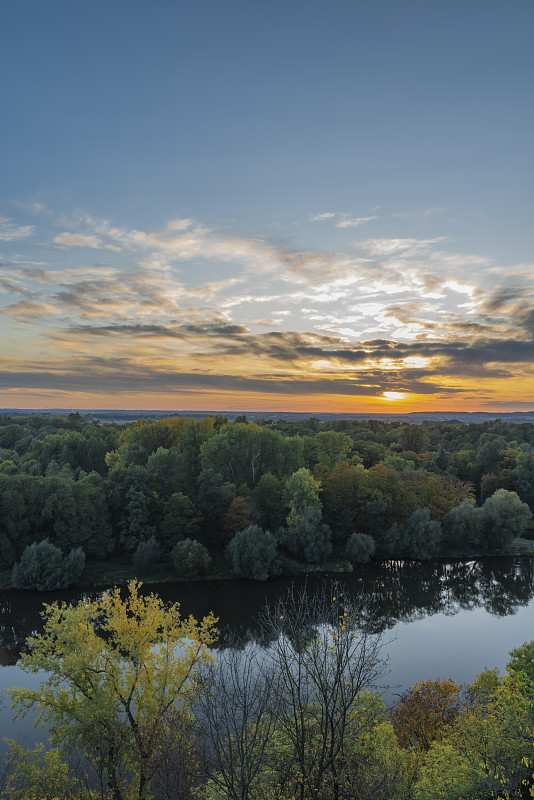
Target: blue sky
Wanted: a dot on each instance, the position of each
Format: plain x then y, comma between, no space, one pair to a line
339,175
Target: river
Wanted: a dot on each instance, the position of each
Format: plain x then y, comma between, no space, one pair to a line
439,619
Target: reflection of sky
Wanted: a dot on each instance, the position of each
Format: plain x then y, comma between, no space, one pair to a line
21,730
457,647
269,207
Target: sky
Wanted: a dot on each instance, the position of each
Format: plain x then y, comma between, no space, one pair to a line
248,205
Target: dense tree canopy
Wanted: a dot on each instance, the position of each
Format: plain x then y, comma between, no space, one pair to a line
415,490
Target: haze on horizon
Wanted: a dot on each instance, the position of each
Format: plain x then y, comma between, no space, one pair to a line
302,206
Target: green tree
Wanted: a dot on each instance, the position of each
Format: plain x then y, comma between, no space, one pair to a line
38,774
522,659
210,500
190,558
489,452
242,453
302,491
373,765
306,536
360,548
43,568
93,526
524,478
502,518
344,493
118,672
252,553
486,752
146,556
460,526
413,437
166,471
137,508
419,536
7,552
326,448
181,520
267,505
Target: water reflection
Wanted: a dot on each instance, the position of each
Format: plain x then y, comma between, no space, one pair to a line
389,592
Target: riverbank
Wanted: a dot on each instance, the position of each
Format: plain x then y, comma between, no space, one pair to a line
113,572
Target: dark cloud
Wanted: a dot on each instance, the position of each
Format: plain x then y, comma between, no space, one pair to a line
169,331
482,357
502,297
121,375
292,347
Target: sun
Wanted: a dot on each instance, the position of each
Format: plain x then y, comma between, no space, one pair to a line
394,395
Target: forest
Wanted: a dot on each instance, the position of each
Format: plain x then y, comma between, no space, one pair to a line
83,503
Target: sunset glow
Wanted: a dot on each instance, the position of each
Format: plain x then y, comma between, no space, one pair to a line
196,223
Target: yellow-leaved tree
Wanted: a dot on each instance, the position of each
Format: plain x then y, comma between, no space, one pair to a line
120,677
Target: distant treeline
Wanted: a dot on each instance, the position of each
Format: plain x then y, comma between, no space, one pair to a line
263,497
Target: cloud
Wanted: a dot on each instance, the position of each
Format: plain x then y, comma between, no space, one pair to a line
55,277
83,240
354,222
32,207
386,247
394,314
179,224
321,217
127,375
175,331
11,286
10,232
425,214
27,309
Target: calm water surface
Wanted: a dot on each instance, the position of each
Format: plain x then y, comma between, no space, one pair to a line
440,619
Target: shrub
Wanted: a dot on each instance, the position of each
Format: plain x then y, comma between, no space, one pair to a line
360,548
190,558
252,553
146,555
43,568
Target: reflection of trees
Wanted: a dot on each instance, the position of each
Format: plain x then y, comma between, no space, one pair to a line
506,587
402,591
17,622
389,592
20,617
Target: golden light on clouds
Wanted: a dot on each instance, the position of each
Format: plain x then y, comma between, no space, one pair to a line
416,361
183,318
394,396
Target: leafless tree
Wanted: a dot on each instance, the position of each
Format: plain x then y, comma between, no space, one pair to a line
322,661
237,712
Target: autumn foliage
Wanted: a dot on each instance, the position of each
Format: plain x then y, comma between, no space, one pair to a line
424,711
